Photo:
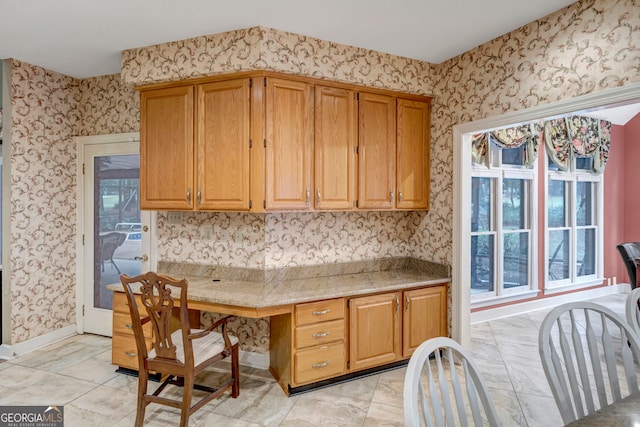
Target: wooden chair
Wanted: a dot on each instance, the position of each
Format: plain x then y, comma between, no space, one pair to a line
633,310
438,372
590,356
179,354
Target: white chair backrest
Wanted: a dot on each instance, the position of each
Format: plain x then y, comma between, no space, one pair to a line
442,387
633,311
590,356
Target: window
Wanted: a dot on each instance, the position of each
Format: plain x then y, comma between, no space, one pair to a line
573,218
503,195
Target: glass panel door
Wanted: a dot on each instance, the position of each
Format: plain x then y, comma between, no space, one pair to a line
116,233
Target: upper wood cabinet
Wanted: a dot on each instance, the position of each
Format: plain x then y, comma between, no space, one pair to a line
166,149
412,174
222,135
377,151
335,142
289,144
207,169
263,141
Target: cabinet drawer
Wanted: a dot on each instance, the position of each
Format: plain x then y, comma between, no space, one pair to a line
121,305
124,352
319,333
319,362
320,311
122,325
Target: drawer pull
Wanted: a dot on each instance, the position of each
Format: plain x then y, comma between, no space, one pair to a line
128,353
321,334
128,325
320,365
320,313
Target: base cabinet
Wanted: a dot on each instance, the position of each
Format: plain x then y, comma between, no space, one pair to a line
333,338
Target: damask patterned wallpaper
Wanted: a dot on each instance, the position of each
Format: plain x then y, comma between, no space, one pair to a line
44,114
587,47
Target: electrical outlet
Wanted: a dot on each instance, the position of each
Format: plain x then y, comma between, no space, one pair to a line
207,233
174,217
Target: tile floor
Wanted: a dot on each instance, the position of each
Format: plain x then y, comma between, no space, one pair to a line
78,374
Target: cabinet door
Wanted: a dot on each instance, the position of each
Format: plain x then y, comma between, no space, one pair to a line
166,149
223,145
413,154
424,317
335,148
289,144
377,160
374,326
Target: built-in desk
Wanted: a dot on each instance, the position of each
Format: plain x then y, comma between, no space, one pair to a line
401,296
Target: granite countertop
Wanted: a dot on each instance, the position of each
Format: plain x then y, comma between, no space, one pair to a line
219,287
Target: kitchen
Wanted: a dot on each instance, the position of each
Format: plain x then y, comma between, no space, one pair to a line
104,105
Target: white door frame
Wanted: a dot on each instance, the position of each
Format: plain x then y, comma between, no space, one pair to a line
461,263
81,143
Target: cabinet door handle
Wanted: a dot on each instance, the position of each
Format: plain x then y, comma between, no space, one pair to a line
319,313
400,196
319,198
308,196
198,196
391,196
407,303
397,304
128,353
128,325
321,334
320,365
189,196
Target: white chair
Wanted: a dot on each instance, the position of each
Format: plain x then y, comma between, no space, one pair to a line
590,356
633,310
438,372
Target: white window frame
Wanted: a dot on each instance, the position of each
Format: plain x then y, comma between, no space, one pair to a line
495,170
574,176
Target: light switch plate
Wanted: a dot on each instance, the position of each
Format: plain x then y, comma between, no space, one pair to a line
174,217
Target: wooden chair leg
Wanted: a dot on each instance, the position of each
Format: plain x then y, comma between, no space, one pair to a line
235,372
142,390
187,393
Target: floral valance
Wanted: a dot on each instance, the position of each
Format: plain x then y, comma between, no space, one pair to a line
512,137
578,135
564,138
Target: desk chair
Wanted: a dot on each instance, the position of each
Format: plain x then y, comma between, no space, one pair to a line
179,354
590,357
438,372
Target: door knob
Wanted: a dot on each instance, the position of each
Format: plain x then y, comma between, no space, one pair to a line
144,258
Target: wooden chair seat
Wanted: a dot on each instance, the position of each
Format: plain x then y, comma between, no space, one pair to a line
204,348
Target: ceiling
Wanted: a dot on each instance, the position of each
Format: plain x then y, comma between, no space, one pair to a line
84,38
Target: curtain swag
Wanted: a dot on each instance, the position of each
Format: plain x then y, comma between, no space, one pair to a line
578,135
512,137
563,137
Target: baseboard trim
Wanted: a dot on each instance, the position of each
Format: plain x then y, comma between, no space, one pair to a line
10,351
525,307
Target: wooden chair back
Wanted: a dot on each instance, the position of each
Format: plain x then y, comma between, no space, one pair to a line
443,387
590,356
